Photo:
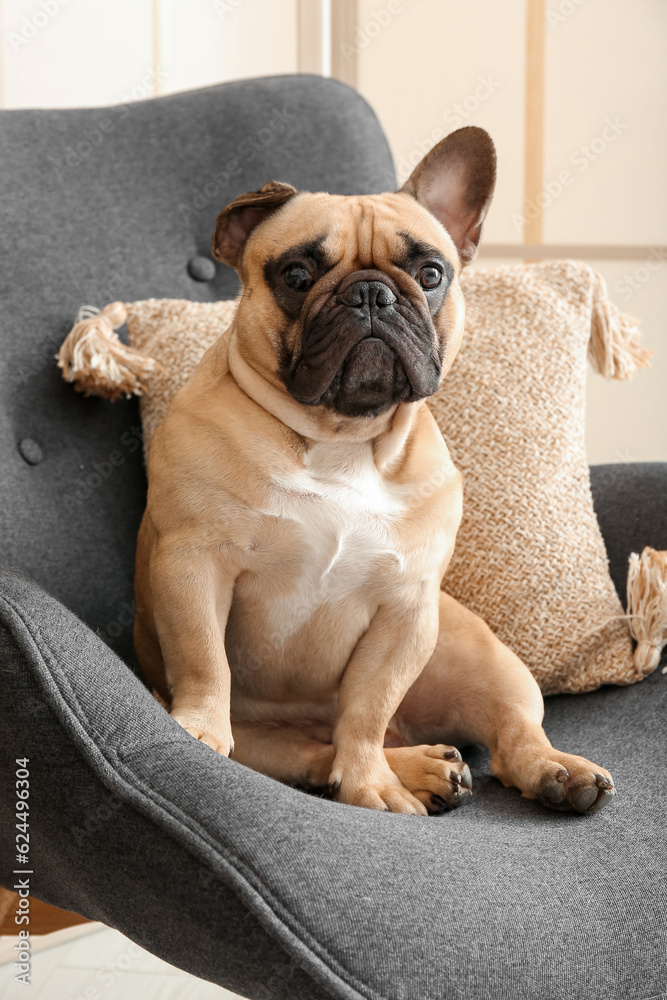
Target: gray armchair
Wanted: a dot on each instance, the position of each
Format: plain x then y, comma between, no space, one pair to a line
219,870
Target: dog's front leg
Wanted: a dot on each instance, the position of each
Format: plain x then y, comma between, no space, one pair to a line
386,661
192,594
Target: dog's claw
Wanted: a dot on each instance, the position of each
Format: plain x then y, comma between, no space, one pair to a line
464,795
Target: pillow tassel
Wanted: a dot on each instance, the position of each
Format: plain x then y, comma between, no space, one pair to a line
614,349
647,607
97,362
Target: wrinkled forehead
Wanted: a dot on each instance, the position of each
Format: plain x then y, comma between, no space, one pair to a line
362,230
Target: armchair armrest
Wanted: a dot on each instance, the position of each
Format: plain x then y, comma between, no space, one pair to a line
630,501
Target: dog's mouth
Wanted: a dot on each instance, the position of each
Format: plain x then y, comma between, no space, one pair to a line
370,379
368,348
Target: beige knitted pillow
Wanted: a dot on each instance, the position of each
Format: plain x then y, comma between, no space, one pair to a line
529,556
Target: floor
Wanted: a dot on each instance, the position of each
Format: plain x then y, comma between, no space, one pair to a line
93,961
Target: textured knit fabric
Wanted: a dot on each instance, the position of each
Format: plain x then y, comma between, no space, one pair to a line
107,203
274,893
529,557
177,334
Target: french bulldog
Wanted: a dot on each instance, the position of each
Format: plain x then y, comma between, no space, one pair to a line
303,508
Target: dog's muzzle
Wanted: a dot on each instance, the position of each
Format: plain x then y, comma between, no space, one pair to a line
366,348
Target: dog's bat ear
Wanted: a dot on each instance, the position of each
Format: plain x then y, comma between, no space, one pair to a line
455,182
238,219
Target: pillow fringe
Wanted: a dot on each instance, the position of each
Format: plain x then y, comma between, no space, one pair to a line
614,349
97,361
647,607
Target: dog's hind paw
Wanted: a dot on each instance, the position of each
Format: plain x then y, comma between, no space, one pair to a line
574,784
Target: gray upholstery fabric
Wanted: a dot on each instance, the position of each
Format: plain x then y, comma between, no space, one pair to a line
113,203
631,507
271,892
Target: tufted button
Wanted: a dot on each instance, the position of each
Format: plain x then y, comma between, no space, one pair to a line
30,451
201,268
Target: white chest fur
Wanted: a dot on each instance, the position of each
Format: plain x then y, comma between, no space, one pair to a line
346,514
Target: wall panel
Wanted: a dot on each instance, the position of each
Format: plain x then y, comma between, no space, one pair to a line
212,41
79,53
438,64
606,106
627,421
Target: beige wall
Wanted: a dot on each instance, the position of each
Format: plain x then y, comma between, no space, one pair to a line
441,64
428,66
64,53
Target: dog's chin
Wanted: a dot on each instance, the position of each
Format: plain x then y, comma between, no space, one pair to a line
370,380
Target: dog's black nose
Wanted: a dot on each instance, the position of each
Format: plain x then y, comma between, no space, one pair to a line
367,295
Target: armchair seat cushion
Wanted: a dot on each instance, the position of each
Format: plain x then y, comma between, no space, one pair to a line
275,893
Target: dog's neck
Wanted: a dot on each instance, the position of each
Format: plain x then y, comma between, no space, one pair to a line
386,433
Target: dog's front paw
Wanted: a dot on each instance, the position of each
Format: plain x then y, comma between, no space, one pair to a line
386,798
436,775
574,784
373,787
215,735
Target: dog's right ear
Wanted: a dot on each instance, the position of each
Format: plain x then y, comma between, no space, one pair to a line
238,219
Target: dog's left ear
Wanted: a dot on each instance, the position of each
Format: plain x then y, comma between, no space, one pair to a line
238,219
455,182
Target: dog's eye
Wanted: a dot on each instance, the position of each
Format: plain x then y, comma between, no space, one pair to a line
429,277
297,278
